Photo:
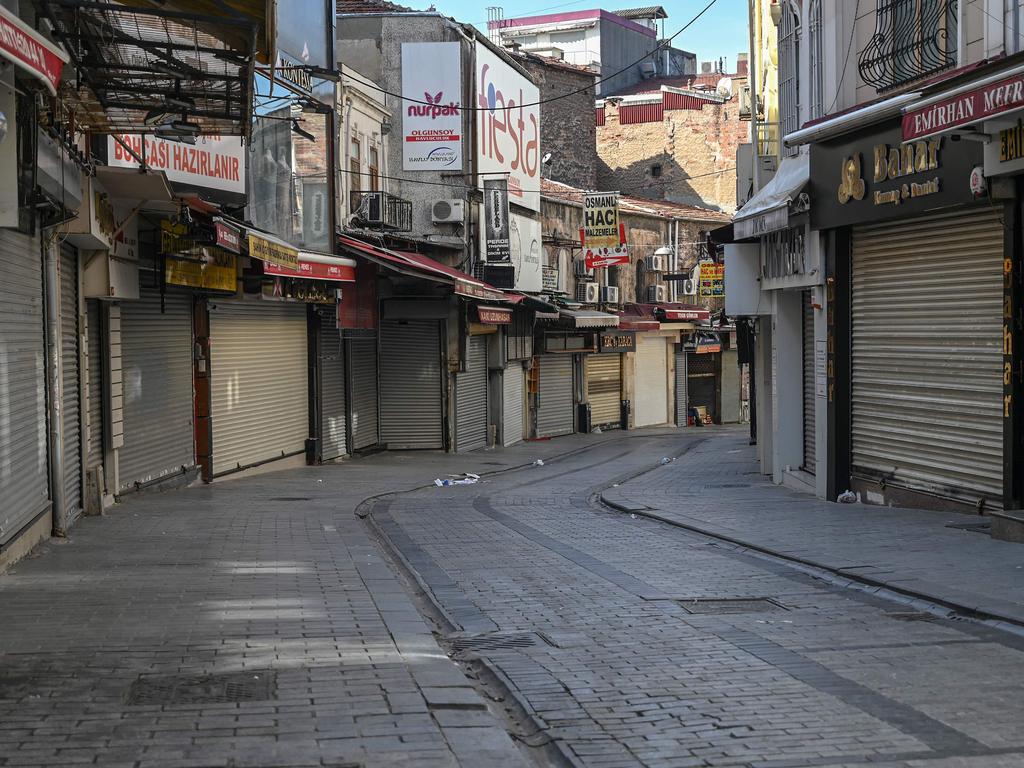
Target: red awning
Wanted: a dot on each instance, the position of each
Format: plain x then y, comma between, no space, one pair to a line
686,314
633,323
418,265
317,266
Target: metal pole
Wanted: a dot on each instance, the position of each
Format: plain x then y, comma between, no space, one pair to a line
54,381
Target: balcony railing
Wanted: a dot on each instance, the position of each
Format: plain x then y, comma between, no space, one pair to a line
379,210
912,40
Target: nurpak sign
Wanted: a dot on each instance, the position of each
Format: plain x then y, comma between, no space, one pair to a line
982,103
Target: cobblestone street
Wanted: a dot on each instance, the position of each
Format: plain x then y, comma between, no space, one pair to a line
521,620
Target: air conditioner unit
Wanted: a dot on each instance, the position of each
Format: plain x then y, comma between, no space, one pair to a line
689,287
656,294
449,212
588,293
610,294
580,268
655,263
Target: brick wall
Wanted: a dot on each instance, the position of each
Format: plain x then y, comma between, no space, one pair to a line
567,125
695,149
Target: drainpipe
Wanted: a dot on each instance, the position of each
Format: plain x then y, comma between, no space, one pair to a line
752,80
54,381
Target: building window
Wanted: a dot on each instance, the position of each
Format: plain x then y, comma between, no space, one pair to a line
817,69
656,170
789,72
912,40
374,169
1014,25
354,165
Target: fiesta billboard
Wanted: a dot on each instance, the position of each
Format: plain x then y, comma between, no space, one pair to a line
507,127
431,107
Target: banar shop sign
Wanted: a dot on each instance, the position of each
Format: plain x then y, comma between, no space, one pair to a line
432,93
874,176
617,341
508,127
214,163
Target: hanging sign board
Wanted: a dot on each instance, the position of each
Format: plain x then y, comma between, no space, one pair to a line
712,279
494,315
432,94
216,271
228,237
314,270
273,252
987,101
605,257
497,249
30,51
601,220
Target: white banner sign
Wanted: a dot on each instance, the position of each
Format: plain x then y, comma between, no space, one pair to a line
432,117
508,139
215,162
524,242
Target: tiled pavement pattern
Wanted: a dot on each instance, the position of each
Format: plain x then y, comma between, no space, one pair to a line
722,493
622,673
249,623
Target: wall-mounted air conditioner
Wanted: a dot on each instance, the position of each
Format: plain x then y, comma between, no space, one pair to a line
689,287
656,294
588,293
449,212
610,294
655,263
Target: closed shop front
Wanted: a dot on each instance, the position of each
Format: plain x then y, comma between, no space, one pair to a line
555,400
259,382
94,385
156,348
651,407
23,471
604,388
514,397
70,382
411,385
332,387
682,388
809,399
702,384
471,397
927,359
361,370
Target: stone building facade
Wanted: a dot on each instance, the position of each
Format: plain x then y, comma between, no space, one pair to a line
673,142
568,125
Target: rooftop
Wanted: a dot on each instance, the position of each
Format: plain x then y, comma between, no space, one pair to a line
699,82
556,190
551,61
371,6
647,12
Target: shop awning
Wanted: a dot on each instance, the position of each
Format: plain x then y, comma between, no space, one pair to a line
148,188
418,265
768,210
635,323
587,318
317,266
30,52
683,314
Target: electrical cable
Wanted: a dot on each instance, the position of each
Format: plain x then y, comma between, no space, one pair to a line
846,61
664,44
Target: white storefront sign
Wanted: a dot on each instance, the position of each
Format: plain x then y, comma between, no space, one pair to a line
508,128
432,110
214,162
524,242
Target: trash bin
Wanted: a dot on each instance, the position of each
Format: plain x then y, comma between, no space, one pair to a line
624,411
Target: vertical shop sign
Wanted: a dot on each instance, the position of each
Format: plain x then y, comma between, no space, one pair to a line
496,226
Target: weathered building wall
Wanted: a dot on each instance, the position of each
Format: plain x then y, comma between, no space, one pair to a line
688,157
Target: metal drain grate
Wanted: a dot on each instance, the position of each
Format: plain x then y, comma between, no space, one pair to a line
730,605
204,689
912,616
493,641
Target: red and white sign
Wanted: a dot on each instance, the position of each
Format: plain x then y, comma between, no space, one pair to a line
476,290
990,101
314,270
494,315
605,257
432,123
507,127
228,238
215,162
687,314
30,51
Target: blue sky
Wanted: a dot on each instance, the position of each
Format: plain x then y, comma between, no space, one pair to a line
722,31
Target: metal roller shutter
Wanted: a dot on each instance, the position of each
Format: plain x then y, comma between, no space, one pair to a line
471,397
512,407
23,470
156,359
927,354
411,391
682,397
604,388
260,382
361,366
808,380
94,412
70,403
555,396
332,389
651,405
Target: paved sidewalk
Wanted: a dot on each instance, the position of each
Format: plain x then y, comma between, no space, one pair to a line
717,489
249,623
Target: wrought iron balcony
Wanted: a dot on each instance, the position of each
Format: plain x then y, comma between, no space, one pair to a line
912,40
379,210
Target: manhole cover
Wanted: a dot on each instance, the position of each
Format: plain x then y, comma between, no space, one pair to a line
291,498
730,605
204,689
493,641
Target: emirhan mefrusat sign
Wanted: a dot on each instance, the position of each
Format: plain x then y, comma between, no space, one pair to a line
962,109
